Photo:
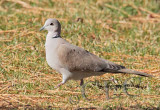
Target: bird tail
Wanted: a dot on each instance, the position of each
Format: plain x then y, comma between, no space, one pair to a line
129,71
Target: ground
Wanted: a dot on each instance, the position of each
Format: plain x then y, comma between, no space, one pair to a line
126,32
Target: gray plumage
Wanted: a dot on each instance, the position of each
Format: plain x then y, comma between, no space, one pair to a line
74,62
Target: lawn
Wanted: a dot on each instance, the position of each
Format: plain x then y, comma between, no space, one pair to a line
126,32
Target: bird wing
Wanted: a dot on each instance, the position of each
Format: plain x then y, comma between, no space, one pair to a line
78,59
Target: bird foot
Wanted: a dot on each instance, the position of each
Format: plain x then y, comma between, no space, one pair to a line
58,85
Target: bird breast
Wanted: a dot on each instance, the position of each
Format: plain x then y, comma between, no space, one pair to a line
51,55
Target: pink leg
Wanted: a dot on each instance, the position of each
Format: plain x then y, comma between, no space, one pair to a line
59,85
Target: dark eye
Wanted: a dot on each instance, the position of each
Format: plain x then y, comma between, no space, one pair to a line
51,24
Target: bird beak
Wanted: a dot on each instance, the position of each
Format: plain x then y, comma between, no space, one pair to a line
42,28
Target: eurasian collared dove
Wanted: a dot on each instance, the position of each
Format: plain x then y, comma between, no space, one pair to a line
74,62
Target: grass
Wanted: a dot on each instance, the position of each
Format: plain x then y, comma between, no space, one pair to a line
122,31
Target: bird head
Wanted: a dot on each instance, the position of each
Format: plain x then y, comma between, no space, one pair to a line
52,25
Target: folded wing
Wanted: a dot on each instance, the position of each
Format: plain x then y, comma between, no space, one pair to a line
78,59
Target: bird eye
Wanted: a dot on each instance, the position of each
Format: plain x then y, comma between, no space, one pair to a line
51,24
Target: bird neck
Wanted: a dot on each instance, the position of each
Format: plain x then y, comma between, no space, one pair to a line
54,34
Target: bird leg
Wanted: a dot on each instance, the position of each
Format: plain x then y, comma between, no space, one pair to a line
82,82
59,85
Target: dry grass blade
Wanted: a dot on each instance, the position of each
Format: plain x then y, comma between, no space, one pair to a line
118,9
7,31
25,5
153,14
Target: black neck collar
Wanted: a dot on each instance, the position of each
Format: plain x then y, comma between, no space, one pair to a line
57,36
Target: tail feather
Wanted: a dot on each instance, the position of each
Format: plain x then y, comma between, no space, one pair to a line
129,71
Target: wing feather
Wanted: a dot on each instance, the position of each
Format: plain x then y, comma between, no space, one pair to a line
78,59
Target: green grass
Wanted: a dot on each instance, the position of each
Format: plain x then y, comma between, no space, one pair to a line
126,32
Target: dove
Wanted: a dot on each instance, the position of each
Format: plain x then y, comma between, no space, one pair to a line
73,62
